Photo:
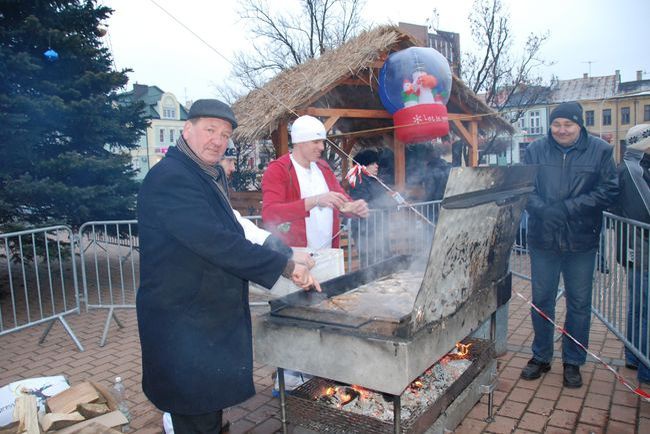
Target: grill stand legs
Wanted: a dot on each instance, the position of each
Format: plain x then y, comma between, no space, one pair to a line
283,401
489,388
397,414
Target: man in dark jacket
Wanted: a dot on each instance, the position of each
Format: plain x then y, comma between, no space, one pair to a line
192,304
576,181
634,204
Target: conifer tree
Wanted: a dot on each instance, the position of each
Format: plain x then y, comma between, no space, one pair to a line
64,138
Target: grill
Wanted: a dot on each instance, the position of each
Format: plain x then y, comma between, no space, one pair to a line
380,328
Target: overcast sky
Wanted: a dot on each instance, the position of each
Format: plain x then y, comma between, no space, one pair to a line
609,34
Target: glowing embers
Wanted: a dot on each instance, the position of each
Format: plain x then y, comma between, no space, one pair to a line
423,392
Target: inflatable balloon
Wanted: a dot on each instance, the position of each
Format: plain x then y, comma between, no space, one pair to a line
414,86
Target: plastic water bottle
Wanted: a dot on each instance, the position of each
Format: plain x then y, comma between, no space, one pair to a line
120,397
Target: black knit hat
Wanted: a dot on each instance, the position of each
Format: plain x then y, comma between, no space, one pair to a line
212,108
367,157
568,110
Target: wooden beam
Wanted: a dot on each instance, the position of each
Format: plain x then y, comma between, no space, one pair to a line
346,113
462,130
354,82
329,122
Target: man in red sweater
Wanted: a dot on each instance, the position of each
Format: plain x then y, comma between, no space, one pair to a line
301,197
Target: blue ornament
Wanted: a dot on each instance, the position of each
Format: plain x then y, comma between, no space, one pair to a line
51,55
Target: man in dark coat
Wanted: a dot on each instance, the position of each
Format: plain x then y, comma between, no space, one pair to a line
634,242
192,304
576,181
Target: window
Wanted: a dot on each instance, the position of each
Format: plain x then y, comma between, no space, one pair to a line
168,107
589,118
171,135
607,116
162,135
522,123
646,112
625,115
535,127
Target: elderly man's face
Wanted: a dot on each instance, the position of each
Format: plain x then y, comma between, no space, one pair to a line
565,131
208,138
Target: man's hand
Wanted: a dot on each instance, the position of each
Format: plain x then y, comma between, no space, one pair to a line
331,199
304,258
302,278
358,207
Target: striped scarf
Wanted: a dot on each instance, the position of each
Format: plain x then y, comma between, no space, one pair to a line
215,172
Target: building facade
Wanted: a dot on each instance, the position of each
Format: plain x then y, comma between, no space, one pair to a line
166,116
610,108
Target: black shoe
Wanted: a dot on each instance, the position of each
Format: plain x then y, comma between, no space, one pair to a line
572,377
534,369
631,366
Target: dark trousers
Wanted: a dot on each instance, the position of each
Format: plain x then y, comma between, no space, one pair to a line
577,270
209,423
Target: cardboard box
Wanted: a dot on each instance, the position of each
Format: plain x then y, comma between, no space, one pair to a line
329,264
66,420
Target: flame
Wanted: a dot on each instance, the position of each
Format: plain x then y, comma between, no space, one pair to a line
330,391
463,350
363,393
345,398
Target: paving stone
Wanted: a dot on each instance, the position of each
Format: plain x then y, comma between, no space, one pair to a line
521,395
569,403
593,416
512,409
563,419
541,406
533,422
548,392
616,427
597,401
502,425
622,413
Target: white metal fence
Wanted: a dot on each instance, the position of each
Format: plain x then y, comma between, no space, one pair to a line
38,280
110,270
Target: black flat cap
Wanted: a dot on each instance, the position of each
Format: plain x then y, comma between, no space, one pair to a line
212,108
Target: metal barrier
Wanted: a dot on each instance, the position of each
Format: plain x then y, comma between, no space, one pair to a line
620,297
38,280
389,232
620,290
109,267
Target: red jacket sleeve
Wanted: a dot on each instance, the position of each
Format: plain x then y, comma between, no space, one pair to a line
281,200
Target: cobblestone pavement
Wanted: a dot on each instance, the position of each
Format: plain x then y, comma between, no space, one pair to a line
602,405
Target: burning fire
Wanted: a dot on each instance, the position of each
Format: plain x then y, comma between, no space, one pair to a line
343,395
463,350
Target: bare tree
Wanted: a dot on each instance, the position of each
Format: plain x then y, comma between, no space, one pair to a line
282,39
509,82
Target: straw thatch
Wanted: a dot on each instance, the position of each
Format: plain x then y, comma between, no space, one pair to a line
318,82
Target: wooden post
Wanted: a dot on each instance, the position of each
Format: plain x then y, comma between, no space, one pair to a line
473,130
280,139
399,149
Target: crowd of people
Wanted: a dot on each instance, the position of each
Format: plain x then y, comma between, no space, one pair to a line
198,254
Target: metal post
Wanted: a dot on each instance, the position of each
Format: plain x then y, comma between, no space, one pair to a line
283,401
397,414
493,338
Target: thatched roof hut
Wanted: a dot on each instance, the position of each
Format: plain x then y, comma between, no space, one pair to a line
341,87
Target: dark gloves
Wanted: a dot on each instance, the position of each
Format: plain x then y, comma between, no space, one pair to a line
555,216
